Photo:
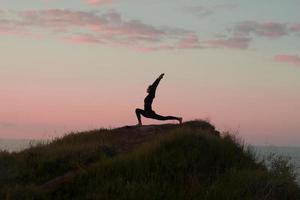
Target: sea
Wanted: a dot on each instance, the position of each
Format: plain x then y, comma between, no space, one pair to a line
291,153
15,145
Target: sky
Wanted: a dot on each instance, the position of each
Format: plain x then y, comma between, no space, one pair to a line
73,65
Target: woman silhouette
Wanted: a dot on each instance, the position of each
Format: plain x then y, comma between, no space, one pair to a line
148,112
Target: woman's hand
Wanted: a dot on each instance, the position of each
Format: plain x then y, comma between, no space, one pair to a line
161,76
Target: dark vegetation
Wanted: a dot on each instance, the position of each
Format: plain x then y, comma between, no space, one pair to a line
188,161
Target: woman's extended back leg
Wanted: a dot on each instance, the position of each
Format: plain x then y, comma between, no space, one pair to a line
163,118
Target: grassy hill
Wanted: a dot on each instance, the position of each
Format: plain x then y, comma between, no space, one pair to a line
188,161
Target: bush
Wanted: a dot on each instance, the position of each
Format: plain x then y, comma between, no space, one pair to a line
162,162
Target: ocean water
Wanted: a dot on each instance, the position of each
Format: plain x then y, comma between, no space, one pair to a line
293,153
17,145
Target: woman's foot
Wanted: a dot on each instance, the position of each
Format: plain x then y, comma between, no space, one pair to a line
180,120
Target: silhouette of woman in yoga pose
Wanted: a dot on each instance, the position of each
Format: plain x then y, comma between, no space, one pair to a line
148,112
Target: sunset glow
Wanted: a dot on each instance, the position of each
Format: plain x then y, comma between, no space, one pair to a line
86,64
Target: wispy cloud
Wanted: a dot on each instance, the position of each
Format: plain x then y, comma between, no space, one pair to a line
295,27
95,27
98,2
289,59
189,41
229,6
202,11
243,33
83,39
110,28
56,19
265,29
6,28
90,2
232,42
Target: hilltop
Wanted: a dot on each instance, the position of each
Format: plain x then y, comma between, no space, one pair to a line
188,161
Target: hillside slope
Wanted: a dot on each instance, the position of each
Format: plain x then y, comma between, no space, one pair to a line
188,161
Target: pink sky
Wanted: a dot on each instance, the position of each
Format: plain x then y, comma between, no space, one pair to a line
71,67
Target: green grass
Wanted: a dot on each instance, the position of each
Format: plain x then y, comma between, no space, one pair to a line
157,162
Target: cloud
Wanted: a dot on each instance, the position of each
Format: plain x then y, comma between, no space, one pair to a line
113,24
5,25
90,2
200,11
242,33
266,29
203,11
233,42
295,28
98,2
6,28
189,41
110,28
83,39
229,6
99,28
56,18
289,59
